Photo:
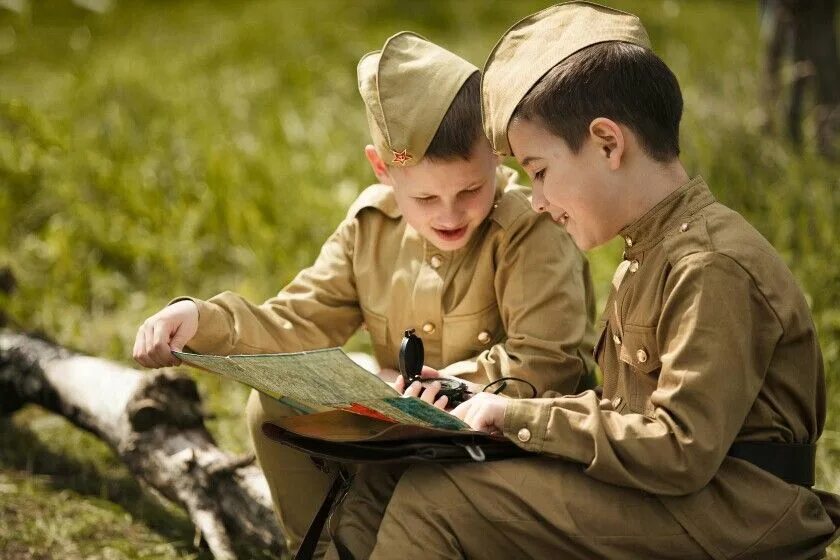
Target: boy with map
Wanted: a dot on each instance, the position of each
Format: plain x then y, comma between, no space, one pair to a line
445,244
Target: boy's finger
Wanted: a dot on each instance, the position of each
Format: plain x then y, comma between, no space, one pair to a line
429,373
175,344
472,415
139,352
461,410
442,401
178,341
413,390
399,384
161,353
149,337
430,392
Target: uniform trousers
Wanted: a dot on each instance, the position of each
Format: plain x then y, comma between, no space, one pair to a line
517,508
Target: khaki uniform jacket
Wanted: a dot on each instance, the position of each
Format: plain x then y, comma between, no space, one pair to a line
517,300
706,340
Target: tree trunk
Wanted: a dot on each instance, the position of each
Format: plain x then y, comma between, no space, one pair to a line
154,423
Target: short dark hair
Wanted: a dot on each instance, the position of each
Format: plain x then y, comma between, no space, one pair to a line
461,125
620,81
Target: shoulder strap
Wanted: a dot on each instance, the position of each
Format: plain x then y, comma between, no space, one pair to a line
335,494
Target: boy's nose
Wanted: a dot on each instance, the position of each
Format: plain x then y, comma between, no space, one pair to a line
538,201
452,216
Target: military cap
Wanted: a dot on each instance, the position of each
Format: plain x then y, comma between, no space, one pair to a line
538,43
407,88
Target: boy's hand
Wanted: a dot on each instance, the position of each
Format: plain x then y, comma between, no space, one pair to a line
431,373
168,329
484,412
427,392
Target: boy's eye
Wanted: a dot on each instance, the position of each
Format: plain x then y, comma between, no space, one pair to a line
425,200
470,192
539,175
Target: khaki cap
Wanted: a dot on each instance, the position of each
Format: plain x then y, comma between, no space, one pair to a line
407,88
538,43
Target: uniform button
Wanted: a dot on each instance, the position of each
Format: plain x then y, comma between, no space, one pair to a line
628,241
616,402
523,435
616,339
436,261
634,266
429,328
495,205
684,227
641,355
484,337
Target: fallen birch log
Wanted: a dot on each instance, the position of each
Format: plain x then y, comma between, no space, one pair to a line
155,424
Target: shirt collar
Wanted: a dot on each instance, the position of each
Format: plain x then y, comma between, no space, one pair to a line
651,228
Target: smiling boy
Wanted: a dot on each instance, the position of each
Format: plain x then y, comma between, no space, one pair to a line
701,444
446,244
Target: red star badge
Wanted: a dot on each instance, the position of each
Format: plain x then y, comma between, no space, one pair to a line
401,158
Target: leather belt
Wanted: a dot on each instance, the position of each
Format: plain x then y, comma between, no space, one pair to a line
795,463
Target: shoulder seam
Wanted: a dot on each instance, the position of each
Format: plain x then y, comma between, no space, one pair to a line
368,199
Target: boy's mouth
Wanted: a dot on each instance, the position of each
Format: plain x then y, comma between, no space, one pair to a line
451,234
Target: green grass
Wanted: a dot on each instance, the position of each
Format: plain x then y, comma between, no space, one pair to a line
63,494
170,147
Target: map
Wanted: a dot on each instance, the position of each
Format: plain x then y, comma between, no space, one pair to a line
323,380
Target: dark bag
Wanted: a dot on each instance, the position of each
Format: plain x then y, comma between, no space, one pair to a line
449,448
444,449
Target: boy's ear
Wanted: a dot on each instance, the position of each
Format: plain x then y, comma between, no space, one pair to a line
380,169
609,139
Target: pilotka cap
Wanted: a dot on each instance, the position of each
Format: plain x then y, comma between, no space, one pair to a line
407,88
535,45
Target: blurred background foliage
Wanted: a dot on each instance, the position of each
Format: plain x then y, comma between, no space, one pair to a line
159,148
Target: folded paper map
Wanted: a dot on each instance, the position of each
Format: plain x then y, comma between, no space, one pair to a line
337,399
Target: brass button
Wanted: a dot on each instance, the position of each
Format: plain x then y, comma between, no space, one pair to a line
641,355
616,402
628,241
436,261
429,328
634,266
684,227
288,325
495,205
484,337
616,339
523,435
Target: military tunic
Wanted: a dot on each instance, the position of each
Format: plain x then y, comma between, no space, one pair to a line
517,300
706,340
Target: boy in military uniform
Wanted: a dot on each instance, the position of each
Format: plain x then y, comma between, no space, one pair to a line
701,443
446,244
